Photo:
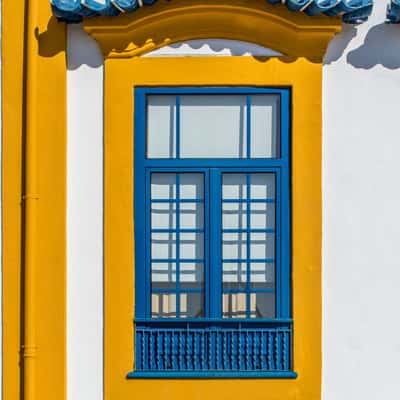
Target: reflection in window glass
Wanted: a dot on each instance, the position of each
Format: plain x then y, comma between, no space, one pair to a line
177,245
213,126
161,127
248,245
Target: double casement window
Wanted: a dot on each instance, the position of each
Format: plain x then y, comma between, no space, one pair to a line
212,232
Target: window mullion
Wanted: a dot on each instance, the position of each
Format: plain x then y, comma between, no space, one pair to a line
215,268
178,126
178,245
248,127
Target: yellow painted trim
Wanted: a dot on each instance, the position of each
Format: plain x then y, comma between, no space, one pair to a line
166,22
12,89
29,200
304,77
34,154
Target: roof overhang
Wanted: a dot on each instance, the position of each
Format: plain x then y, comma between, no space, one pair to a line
393,12
351,11
166,22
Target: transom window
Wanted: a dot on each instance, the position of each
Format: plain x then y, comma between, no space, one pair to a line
212,232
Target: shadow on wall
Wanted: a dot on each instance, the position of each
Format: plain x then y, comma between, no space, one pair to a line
381,46
225,46
339,44
84,50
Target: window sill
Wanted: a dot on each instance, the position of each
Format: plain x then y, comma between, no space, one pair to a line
212,375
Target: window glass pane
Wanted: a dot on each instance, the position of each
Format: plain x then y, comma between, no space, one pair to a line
177,204
163,305
191,186
264,306
234,305
163,245
191,305
163,215
253,305
161,126
262,275
213,126
262,246
163,186
262,216
262,186
265,125
234,215
233,275
191,245
234,186
191,275
163,275
191,215
234,245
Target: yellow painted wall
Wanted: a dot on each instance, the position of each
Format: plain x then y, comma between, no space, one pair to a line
12,108
123,40
304,77
50,105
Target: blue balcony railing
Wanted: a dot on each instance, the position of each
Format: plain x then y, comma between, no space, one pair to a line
213,348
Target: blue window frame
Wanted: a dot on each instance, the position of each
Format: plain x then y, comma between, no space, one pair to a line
212,233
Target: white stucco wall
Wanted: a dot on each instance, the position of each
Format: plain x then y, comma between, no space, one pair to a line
84,218
361,215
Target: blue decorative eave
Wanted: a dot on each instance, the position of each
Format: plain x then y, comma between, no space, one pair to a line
393,12
352,11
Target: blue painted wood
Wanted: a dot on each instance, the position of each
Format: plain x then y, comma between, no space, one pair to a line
248,242
262,322
142,308
211,163
248,200
175,350
254,230
215,296
177,237
284,211
212,343
278,246
207,244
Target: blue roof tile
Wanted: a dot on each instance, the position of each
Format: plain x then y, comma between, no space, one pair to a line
352,11
393,12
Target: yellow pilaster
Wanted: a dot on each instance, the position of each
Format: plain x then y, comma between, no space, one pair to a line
34,179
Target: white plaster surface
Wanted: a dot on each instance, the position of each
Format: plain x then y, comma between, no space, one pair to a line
84,218
361,212
212,47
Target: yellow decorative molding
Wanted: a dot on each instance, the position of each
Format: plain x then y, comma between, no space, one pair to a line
166,22
121,76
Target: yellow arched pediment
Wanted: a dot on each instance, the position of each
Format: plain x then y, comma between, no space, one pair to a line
256,21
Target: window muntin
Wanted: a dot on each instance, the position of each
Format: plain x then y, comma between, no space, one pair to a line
248,245
177,245
253,304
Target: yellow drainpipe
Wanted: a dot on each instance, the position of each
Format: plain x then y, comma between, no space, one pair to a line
30,200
